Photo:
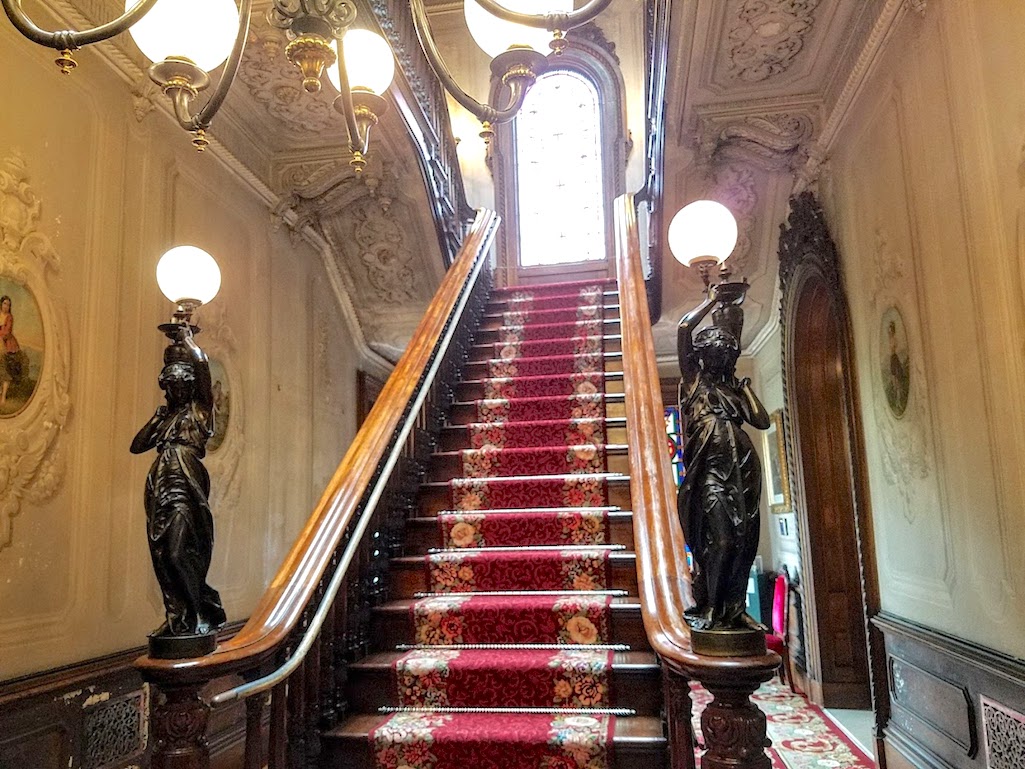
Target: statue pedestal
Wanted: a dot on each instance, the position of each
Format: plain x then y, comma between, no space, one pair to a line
728,643
178,647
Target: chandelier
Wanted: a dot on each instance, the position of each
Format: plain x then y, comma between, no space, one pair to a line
186,40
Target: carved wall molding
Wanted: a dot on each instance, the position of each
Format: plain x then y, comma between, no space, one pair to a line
274,83
220,343
32,463
775,141
907,443
736,188
766,36
595,35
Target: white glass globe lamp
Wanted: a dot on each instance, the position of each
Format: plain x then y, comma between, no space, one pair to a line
188,276
202,31
495,35
368,62
704,232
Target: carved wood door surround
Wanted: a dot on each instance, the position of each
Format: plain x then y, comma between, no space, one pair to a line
824,444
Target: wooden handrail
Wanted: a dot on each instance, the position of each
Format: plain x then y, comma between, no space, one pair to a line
295,585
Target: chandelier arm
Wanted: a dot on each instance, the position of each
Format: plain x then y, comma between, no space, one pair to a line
348,110
70,39
550,21
213,104
483,112
517,93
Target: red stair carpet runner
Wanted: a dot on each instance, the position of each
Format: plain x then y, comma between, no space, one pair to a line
512,663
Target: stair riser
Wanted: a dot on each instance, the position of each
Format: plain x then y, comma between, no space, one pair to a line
638,688
409,576
435,498
422,534
483,352
391,628
495,318
444,467
353,752
491,335
481,369
465,413
457,439
474,390
501,303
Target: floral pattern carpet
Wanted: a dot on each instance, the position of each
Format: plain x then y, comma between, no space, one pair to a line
803,737
518,584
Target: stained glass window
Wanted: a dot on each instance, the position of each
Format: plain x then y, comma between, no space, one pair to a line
559,171
674,435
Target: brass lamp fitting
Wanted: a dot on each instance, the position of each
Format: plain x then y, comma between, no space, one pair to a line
65,62
487,132
311,53
558,42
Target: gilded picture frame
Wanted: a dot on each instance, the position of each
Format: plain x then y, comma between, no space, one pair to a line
777,472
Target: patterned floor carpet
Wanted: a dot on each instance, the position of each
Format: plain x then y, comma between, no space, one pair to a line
803,737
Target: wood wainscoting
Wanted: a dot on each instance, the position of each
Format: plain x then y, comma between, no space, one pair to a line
952,703
95,715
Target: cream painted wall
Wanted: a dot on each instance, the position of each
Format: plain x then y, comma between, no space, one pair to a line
75,580
925,197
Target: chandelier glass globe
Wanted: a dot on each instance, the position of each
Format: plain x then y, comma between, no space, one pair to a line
368,62
188,273
495,36
202,31
704,231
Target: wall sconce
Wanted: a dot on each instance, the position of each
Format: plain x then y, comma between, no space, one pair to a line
179,523
187,39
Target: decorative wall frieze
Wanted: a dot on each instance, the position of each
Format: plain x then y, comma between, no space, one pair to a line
766,36
736,188
36,376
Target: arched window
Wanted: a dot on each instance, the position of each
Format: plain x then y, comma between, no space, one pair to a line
559,175
559,166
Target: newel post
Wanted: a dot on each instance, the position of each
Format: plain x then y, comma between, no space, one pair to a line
178,722
733,727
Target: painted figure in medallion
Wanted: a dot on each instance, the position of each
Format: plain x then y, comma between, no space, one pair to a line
718,501
178,518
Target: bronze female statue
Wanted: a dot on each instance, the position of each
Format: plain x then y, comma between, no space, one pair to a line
178,517
719,498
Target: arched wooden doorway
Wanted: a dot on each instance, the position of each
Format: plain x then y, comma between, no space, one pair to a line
840,582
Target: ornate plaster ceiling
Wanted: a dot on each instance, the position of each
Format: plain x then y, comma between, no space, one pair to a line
751,84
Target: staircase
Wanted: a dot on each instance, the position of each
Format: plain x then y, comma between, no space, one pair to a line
513,637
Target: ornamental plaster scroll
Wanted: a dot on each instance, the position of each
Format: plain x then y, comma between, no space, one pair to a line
274,83
907,445
735,187
218,340
765,37
772,142
32,463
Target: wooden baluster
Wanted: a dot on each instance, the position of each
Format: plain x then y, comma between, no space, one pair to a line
180,719
277,754
254,731
311,679
341,644
678,714
328,681
296,719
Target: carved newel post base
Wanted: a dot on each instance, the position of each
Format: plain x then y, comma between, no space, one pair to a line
732,725
179,724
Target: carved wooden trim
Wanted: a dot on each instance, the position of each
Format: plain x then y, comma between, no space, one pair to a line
807,254
31,456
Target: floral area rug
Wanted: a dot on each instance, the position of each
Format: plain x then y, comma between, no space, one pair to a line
528,514
803,737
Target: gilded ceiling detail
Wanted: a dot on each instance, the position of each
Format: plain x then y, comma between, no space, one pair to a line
275,84
766,36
